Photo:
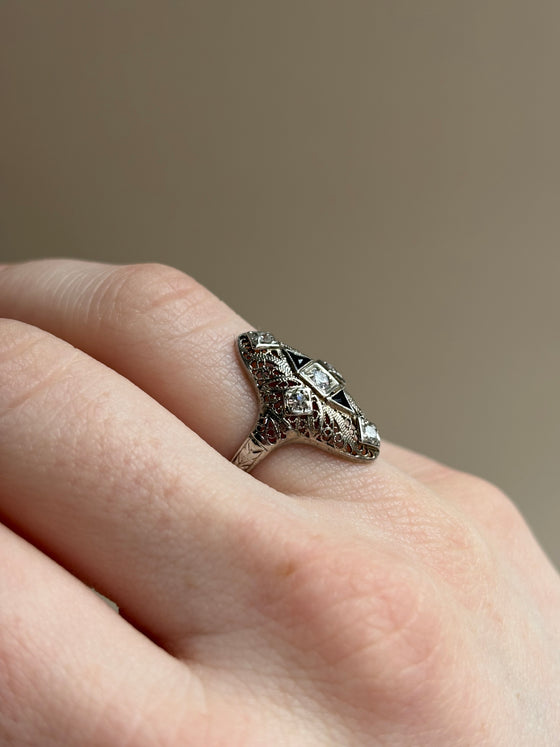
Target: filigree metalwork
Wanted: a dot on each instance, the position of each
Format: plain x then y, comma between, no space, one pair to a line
301,399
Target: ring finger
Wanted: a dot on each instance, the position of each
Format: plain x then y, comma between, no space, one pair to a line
174,339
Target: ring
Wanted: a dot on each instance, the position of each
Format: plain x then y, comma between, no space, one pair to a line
301,400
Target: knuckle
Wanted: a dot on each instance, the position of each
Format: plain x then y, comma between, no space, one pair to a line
460,555
492,494
30,362
156,292
15,339
439,535
462,537
29,359
434,472
494,506
448,543
367,614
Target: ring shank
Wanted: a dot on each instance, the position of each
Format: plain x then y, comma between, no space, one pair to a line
250,453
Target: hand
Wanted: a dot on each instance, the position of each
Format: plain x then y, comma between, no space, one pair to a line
312,602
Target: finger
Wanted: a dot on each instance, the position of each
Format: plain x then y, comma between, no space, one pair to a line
174,339
118,490
154,325
108,483
72,672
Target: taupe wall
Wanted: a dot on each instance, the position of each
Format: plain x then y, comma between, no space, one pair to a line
377,181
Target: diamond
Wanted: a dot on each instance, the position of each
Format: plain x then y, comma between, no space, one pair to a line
297,400
263,340
334,372
318,376
368,432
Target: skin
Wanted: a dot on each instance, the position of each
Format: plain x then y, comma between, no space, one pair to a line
312,602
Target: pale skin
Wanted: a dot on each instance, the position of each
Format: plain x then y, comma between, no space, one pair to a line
312,602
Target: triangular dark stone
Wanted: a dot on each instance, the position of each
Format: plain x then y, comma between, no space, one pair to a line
342,399
297,359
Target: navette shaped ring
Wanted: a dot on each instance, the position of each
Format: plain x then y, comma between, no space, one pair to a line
301,400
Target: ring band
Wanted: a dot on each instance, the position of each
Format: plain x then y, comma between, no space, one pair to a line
301,400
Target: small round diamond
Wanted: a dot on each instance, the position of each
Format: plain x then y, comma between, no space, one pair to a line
369,432
322,381
320,378
265,338
297,401
262,340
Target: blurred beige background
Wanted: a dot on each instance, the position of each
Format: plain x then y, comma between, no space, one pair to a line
378,182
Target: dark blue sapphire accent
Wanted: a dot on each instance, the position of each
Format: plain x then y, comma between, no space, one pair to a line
297,359
341,399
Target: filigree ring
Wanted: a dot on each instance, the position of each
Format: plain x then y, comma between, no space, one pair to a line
301,400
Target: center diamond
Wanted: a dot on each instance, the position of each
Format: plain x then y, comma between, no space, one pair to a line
318,376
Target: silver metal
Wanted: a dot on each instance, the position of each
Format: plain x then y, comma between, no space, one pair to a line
300,400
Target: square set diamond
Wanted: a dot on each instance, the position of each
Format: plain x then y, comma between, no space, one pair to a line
318,376
368,432
261,340
297,400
